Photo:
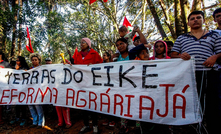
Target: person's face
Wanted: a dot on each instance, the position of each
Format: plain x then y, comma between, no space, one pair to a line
122,33
48,62
121,46
196,21
35,61
218,18
110,52
18,62
105,57
84,45
137,42
144,55
169,48
159,48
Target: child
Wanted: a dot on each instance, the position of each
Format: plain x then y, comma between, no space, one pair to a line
169,47
159,50
140,52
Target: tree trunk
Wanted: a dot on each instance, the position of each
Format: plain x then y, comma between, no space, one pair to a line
14,8
196,5
2,26
156,19
20,28
167,19
184,5
178,19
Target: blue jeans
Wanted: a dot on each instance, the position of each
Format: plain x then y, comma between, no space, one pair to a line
37,114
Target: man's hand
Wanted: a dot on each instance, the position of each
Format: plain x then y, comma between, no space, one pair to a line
210,61
185,56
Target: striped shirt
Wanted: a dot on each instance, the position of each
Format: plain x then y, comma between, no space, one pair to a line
200,49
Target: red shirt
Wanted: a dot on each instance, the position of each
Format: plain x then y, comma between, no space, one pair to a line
91,58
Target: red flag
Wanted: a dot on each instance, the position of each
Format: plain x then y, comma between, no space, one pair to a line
128,25
29,46
126,22
92,1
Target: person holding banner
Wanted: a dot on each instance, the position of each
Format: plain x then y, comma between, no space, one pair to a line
87,56
37,112
205,47
21,64
159,50
122,46
3,64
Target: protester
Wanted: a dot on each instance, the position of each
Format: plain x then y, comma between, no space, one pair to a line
12,64
3,64
48,60
122,47
63,116
21,64
205,47
217,19
159,50
140,52
124,33
137,41
37,112
169,47
87,56
106,57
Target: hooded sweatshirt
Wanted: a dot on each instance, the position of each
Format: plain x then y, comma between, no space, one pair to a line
154,51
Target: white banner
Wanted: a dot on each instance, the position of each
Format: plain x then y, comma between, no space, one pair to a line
158,91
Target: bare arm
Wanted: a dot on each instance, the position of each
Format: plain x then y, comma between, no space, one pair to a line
212,60
184,56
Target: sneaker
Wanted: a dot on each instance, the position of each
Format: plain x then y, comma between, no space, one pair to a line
112,124
95,129
84,129
23,121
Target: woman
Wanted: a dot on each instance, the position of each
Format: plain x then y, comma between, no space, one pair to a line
3,64
21,64
36,110
106,57
87,56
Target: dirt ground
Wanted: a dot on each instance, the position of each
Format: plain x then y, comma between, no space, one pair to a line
77,124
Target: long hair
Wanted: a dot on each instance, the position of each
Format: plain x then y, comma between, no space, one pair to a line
108,55
23,62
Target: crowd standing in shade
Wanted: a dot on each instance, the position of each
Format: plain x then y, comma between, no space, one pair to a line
201,44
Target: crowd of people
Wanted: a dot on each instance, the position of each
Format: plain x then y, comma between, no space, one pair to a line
201,44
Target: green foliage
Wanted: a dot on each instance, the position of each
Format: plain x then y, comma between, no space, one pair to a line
58,25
